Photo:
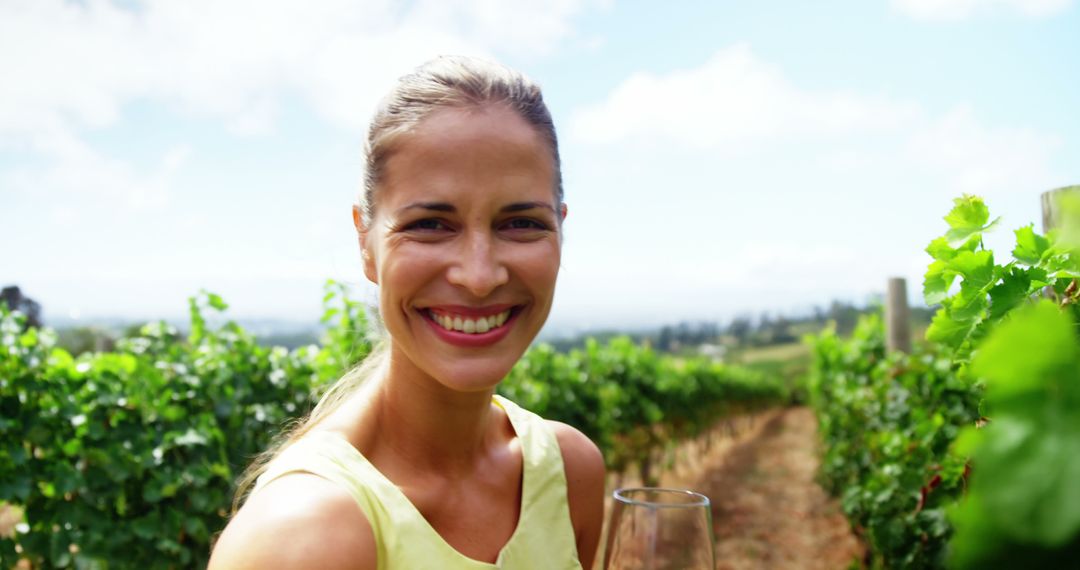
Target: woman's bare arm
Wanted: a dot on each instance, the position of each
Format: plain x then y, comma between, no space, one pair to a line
297,521
584,466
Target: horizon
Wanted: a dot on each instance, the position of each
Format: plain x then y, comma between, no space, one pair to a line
552,330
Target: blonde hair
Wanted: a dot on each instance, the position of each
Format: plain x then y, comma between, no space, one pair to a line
444,82
451,82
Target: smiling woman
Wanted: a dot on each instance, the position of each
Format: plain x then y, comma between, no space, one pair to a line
411,461
467,227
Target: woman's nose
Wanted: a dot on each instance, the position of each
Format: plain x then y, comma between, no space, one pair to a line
478,268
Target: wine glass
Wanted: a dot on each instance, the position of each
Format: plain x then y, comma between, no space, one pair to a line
658,529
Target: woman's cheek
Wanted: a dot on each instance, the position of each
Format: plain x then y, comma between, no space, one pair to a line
542,264
413,257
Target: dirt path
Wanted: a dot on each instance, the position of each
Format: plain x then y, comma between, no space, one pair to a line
768,512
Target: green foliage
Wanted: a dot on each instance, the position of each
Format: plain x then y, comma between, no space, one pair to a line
131,455
887,421
631,401
901,434
127,459
1023,505
987,291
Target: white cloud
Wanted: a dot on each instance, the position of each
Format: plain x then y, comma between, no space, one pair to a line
777,194
960,9
737,102
521,27
76,170
223,58
975,158
71,66
732,99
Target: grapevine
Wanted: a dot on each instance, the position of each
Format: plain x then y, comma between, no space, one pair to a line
963,453
128,459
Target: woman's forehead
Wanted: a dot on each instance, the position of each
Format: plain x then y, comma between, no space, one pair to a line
453,128
490,153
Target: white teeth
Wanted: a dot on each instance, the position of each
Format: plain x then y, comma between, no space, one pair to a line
471,326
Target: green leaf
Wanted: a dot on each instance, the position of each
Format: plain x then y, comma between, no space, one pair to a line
1014,288
19,488
72,447
173,413
944,329
969,304
940,250
216,301
967,219
1025,352
146,527
936,283
976,267
1039,278
1030,246
329,314
968,211
196,528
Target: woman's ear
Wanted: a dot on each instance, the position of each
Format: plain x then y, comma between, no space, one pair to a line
365,245
562,211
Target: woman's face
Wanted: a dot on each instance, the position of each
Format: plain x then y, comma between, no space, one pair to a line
465,244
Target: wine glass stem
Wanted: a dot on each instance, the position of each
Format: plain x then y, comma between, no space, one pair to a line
653,534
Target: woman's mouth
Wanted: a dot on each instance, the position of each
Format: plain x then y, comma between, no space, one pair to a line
471,327
469,324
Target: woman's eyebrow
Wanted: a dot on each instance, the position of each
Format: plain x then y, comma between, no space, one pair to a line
522,206
447,207
434,206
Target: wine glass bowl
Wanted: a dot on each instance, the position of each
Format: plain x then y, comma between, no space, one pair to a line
654,528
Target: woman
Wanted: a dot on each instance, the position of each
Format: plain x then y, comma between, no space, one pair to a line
411,461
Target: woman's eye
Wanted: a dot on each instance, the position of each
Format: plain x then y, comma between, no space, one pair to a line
525,224
427,225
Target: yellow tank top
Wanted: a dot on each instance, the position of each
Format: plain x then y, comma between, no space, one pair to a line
543,538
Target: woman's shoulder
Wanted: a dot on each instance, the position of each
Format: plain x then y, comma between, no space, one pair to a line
581,458
585,481
579,452
299,520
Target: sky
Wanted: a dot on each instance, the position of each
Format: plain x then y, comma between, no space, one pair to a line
720,158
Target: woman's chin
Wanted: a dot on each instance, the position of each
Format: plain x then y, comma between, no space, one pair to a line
474,375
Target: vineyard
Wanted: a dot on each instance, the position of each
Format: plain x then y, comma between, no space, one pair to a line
964,453
129,457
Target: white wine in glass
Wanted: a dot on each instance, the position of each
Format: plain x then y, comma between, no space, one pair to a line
659,529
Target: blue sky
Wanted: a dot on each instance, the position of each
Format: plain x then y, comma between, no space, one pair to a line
720,158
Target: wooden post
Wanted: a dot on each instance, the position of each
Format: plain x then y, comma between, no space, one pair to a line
1050,207
897,316
1050,215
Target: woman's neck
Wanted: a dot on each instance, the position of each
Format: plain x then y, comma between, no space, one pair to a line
425,424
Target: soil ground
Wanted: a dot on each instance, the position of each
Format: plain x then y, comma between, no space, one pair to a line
768,510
